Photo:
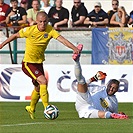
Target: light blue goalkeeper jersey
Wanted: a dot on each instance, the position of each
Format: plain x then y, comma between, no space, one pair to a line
102,101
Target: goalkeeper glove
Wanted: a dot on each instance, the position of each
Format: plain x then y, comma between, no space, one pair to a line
99,76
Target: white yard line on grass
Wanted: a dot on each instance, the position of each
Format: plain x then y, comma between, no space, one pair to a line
21,124
38,123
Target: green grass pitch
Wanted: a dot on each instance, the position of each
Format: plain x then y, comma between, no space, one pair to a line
14,119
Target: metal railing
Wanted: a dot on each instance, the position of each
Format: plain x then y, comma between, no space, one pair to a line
14,51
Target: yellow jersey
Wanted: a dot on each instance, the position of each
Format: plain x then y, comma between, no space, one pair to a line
36,42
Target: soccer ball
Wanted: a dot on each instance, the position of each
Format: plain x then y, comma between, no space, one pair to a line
51,112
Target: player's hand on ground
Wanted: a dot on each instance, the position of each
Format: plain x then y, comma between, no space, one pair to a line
100,75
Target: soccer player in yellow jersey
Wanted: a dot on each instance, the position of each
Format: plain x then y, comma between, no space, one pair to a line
37,39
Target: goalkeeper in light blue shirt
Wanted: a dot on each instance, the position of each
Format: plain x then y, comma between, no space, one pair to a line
95,102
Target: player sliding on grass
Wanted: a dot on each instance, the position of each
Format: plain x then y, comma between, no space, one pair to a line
96,102
37,39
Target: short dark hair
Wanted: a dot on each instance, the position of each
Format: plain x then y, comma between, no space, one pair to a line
42,13
14,1
36,0
115,81
116,1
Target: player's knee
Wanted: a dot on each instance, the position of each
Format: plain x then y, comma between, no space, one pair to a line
94,114
101,114
82,81
42,80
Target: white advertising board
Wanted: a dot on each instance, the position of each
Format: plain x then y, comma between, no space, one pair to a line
16,86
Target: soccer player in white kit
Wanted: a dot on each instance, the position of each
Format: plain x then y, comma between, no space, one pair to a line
95,102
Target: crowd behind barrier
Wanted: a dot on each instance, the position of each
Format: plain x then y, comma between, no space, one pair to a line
77,16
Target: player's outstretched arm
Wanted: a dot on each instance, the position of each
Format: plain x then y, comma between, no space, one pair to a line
68,44
11,38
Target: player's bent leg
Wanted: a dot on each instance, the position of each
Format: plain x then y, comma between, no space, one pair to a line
88,113
78,73
108,114
83,104
82,88
100,114
94,114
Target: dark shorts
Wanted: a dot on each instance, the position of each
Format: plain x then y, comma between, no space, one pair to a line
33,70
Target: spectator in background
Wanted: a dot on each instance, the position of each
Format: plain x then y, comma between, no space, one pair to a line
130,22
3,9
115,4
32,12
29,4
120,18
78,13
97,17
15,15
58,15
46,6
24,4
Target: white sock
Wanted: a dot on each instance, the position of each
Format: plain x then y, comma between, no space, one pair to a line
108,114
78,73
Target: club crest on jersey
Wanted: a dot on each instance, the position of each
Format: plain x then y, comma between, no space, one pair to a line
104,103
46,35
24,30
36,72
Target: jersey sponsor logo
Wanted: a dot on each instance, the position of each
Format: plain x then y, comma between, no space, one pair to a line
77,15
100,18
56,16
2,14
5,78
66,76
46,35
15,17
93,17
